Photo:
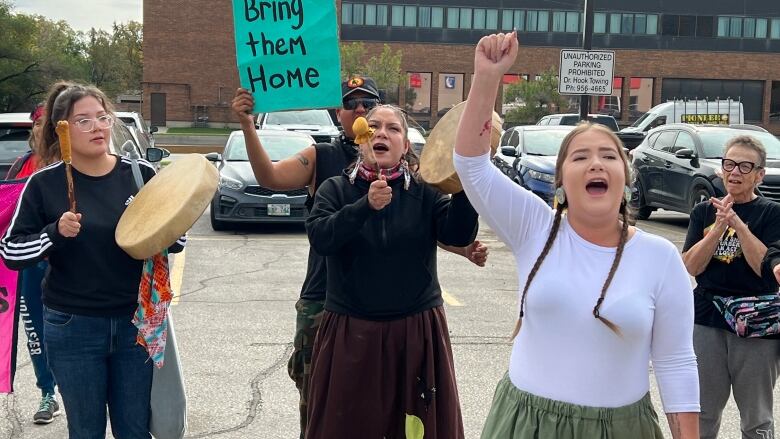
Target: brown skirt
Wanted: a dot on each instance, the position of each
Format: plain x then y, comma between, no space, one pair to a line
369,379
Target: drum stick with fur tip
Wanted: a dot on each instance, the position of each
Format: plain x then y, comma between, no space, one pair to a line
63,132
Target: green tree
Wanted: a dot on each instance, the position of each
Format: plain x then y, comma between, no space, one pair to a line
384,68
534,99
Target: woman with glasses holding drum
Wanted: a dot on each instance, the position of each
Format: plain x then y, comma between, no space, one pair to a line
91,289
725,247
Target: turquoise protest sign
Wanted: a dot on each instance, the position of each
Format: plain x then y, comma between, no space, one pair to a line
287,53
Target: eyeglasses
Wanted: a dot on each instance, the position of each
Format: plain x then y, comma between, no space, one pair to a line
86,125
728,165
367,103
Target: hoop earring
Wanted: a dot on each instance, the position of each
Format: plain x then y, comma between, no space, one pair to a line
560,196
626,194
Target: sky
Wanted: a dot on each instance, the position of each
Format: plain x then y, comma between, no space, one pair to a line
84,14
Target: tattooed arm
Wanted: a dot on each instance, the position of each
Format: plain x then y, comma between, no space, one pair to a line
493,56
683,425
291,173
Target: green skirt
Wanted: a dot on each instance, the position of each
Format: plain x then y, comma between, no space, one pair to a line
516,414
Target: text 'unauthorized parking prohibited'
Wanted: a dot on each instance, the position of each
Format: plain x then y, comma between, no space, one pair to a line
586,72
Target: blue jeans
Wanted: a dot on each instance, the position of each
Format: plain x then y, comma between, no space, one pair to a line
31,314
97,362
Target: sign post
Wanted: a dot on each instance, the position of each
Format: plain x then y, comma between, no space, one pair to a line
586,72
287,53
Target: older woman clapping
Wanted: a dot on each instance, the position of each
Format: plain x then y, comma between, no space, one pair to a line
726,244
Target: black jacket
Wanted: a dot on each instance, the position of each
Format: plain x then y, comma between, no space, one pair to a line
382,264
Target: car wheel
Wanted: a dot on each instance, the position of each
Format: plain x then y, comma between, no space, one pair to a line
643,211
698,195
216,224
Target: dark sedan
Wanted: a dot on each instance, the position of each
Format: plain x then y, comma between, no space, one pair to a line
527,154
239,199
677,166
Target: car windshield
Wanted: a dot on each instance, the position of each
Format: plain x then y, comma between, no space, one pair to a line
642,119
415,136
305,117
277,147
13,143
715,140
543,142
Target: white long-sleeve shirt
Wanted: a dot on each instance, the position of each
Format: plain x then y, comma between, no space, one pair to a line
562,351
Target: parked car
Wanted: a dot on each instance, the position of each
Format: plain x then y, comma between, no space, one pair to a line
317,123
143,132
532,150
15,130
676,166
240,199
574,119
416,139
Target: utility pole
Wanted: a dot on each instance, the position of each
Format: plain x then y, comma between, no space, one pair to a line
587,44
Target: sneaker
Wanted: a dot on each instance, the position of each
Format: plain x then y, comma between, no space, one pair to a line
47,410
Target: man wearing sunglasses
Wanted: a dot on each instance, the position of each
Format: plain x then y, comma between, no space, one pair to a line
309,168
725,250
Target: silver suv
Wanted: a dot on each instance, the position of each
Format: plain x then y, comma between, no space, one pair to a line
316,123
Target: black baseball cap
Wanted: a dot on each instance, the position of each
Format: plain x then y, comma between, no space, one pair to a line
359,83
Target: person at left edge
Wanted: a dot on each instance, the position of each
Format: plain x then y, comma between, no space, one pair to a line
91,289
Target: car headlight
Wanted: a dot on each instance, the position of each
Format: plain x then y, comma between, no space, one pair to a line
230,183
541,176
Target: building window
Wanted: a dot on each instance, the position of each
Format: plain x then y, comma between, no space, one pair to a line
357,13
371,15
614,23
506,20
652,25
425,16
453,18
520,20
346,13
774,103
465,18
397,18
437,17
599,23
640,24
704,27
775,33
418,93
749,28
627,24
559,22
479,18
410,16
687,26
750,93
491,19
723,26
537,21
572,22
735,27
450,92
761,27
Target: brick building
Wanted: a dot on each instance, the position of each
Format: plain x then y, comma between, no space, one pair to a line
664,50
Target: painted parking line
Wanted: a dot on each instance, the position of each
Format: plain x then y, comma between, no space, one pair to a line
449,299
177,274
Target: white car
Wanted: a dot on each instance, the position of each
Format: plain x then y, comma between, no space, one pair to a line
137,126
416,139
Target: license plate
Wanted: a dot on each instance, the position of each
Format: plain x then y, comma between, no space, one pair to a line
278,210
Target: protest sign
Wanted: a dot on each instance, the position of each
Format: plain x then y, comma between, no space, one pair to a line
287,53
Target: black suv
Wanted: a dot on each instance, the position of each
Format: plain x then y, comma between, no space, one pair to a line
676,166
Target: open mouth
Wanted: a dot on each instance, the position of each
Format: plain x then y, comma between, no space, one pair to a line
734,181
597,187
380,147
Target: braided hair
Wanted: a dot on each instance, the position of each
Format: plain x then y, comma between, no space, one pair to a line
625,217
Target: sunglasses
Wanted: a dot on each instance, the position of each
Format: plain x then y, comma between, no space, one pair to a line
367,103
728,165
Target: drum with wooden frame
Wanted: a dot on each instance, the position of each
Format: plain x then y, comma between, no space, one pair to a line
167,206
436,166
